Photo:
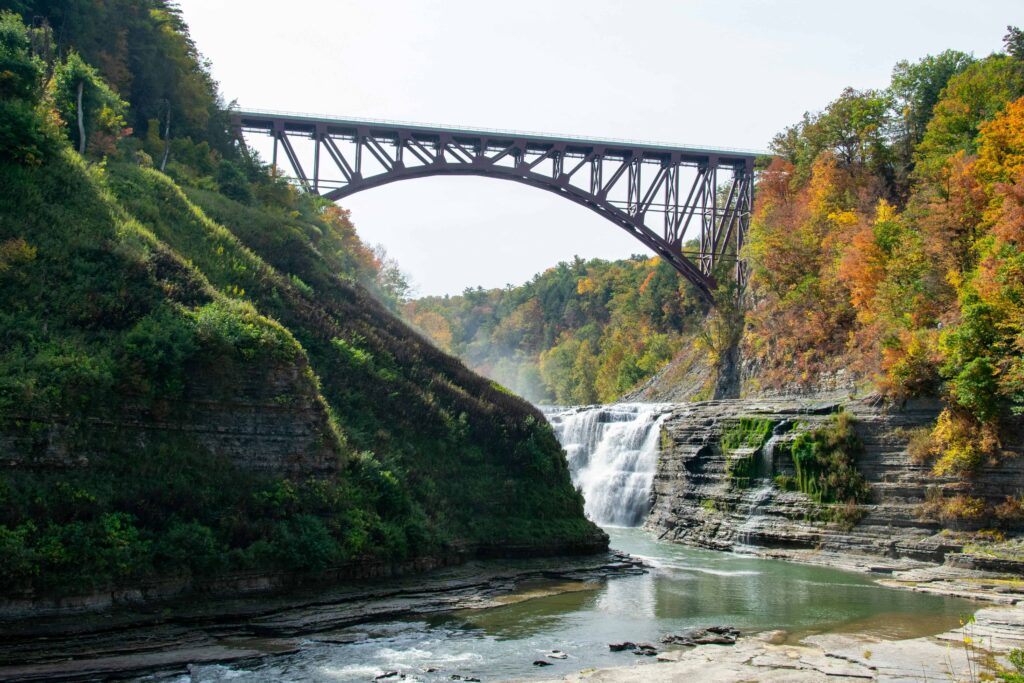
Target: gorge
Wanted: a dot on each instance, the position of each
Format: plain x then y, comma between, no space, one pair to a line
786,444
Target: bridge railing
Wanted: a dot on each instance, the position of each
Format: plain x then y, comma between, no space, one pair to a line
504,132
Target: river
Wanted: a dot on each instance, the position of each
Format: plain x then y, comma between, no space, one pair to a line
685,587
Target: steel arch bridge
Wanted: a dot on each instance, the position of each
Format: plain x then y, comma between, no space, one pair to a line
704,195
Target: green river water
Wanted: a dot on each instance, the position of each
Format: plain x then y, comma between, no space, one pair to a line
685,587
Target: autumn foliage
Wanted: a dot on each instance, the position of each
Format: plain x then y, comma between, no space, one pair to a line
886,249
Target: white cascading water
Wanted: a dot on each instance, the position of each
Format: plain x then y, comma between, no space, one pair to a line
761,496
613,455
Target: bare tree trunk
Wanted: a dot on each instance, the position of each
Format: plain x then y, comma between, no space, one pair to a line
81,120
167,139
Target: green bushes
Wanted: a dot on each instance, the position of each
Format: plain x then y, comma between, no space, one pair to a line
26,136
236,327
180,511
825,461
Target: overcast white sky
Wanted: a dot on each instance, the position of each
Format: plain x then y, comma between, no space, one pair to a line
692,71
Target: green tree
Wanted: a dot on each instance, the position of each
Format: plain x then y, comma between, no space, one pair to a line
970,98
1014,42
23,134
853,128
916,89
87,105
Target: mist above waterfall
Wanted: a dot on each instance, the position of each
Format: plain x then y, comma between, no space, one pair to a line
613,454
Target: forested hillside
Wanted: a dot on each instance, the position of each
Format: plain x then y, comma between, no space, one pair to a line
578,333
887,241
194,378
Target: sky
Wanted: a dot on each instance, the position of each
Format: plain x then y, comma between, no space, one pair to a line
703,72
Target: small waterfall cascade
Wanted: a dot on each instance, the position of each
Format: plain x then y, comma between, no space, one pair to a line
613,454
766,463
760,496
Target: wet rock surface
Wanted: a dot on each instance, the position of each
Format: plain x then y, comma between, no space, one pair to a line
712,635
168,638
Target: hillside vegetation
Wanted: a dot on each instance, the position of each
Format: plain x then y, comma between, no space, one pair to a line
581,332
887,242
194,376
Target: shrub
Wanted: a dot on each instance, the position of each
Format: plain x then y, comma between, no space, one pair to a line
958,508
920,447
303,543
158,346
191,547
237,328
1016,659
786,482
1011,511
962,442
232,182
825,462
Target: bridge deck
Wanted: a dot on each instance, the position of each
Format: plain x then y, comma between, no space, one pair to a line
265,120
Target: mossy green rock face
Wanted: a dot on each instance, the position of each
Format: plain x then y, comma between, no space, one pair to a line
190,386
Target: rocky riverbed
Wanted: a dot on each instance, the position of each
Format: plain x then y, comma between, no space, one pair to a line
963,654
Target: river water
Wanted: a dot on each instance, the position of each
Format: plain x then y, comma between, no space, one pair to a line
684,588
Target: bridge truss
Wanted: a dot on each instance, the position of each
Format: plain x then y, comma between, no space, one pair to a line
704,197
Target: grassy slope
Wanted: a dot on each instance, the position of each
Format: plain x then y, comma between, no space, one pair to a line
463,449
119,294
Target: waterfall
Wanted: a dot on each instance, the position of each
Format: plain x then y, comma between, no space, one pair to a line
613,454
758,499
763,494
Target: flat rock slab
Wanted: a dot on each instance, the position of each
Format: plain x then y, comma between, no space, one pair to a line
135,664
833,657
130,644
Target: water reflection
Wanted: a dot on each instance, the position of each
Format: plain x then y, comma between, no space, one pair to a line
685,588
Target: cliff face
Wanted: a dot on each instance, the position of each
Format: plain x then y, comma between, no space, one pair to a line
263,418
696,501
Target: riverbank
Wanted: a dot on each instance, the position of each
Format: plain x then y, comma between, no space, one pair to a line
490,620
169,638
961,654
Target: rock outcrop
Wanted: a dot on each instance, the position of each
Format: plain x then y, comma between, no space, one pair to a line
695,502
268,419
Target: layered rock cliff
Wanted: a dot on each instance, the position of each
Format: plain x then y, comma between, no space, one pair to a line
696,501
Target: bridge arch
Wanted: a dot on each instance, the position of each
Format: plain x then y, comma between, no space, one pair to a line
623,182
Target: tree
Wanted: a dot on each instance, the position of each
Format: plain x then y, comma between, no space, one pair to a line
970,98
916,89
81,95
26,133
390,281
142,48
1014,42
852,128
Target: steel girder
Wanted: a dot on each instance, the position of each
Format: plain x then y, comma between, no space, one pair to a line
704,196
